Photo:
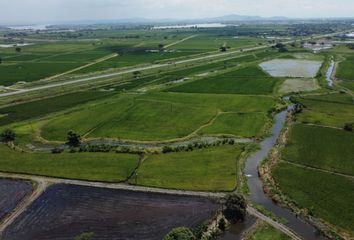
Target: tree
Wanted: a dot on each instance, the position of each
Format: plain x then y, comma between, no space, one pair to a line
0,60
235,208
180,233
8,135
223,49
161,46
73,139
348,127
85,236
18,49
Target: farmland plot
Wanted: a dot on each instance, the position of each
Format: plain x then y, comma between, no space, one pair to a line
65,211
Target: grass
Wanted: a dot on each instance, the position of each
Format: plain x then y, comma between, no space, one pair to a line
108,167
264,231
156,116
320,147
238,124
212,169
345,69
42,107
331,110
327,196
249,80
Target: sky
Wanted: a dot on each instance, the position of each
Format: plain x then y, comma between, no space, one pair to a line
53,11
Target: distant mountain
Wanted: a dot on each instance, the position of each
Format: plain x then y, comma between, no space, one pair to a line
242,18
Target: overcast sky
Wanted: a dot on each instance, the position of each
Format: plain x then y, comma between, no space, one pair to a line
51,11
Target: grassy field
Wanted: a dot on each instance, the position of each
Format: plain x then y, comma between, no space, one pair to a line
266,232
320,147
327,196
238,124
330,110
345,69
249,80
157,116
110,167
298,85
212,169
42,107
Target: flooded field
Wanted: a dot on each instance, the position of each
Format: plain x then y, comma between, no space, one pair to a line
11,194
65,211
299,85
291,68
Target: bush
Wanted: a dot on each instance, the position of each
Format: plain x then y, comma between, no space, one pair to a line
85,236
73,139
199,230
57,150
222,224
181,233
8,135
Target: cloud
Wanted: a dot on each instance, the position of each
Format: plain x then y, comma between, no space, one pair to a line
30,11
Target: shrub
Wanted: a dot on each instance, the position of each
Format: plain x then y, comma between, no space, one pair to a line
57,150
181,233
348,127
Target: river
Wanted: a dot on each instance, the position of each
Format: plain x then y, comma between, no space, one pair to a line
257,195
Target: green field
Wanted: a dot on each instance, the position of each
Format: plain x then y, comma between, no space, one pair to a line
238,124
157,116
42,107
266,232
212,169
108,167
330,110
249,80
320,147
345,69
327,196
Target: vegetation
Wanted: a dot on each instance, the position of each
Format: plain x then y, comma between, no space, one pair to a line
181,233
330,110
85,236
264,231
248,80
325,195
212,169
109,167
319,147
235,208
346,69
159,116
73,139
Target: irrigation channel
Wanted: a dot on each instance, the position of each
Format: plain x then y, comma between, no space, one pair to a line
330,73
258,197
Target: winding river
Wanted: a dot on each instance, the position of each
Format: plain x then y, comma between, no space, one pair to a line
257,195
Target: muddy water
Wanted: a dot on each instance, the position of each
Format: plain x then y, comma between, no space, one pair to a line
257,195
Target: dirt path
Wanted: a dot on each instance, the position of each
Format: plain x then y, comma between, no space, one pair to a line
40,187
273,223
180,41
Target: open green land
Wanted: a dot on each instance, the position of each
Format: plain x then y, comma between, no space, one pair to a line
345,70
238,124
108,167
321,147
155,116
330,110
248,80
326,195
212,169
42,107
266,232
